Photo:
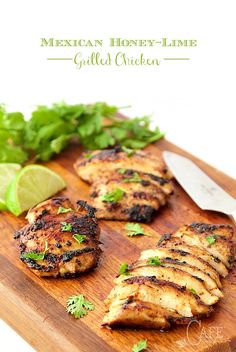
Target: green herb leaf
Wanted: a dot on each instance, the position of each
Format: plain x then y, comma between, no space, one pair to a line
66,226
193,291
211,239
36,255
128,151
140,346
79,306
113,196
134,178
155,261
62,210
50,129
122,171
88,155
79,238
123,270
134,229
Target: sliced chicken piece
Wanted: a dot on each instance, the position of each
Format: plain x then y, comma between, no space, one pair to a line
60,240
182,272
174,275
169,241
125,187
215,239
147,302
171,284
184,257
89,169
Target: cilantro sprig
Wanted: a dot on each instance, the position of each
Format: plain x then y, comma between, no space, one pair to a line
79,238
140,346
78,306
36,255
113,196
133,178
62,210
134,229
66,226
124,269
155,261
51,128
211,239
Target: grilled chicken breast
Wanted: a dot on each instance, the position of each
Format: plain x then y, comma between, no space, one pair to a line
60,239
125,187
173,283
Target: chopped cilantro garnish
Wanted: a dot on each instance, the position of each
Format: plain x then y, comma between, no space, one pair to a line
113,196
134,229
134,178
66,226
193,291
211,239
122,171
155,261
79,238
140,346
36,255
62,210
123,269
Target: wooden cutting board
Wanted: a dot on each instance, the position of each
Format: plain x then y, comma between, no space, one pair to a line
35,307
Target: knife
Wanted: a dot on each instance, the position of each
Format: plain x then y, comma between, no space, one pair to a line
207,194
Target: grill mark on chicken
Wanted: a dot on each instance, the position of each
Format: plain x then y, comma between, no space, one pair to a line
172,284
144,179
64,255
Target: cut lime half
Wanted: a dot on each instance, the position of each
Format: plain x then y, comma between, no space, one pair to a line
32,185
7,172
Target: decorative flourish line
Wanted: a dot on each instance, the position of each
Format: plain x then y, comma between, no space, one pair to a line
176,58
60,58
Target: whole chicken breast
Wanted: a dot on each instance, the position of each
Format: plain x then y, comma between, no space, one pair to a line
61,239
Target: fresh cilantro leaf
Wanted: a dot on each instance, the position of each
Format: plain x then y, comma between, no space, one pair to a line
140,346
155,261
79,306
134,178
193,291
211,239
62,210
36,255
79,238
134,229
113,196
123,270
122,171
128,151
66,226
88,155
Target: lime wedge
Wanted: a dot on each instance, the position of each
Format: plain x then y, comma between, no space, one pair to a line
7,173
32,185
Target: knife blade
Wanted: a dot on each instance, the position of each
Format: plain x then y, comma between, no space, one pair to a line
207,194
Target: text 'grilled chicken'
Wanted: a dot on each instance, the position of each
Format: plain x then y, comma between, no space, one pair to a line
125,186
60,239
174,283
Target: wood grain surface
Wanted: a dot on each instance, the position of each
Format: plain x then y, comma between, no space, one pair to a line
35,307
